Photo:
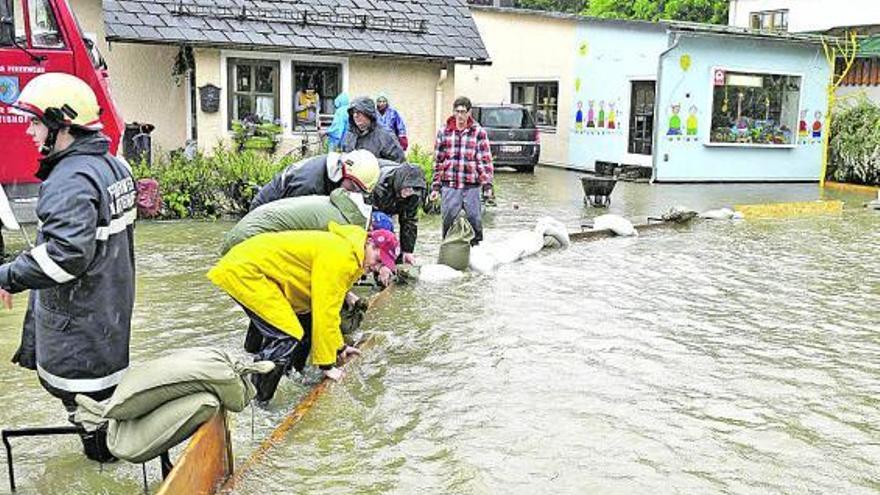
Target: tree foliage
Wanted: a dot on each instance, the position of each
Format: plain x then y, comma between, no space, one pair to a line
569,6
711,11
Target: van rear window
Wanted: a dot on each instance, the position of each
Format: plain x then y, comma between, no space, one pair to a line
505,118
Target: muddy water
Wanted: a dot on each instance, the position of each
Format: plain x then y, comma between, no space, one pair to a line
721,358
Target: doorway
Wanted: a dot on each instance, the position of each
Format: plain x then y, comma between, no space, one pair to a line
641,120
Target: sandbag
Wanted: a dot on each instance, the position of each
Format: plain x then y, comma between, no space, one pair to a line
456,246
721,214
139,440
300,213
149,385
436,273
615,223
554,232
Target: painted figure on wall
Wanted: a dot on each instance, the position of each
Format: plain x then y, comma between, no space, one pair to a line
602,113
817,124
674,121
692,121
591,114
802,126
612,116
579,117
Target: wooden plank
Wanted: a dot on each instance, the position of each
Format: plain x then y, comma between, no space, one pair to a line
853,188
793,209
592,235
205,463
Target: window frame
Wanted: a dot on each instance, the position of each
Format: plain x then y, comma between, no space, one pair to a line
31,22
232,92
319,65
534,105
707,136
775,16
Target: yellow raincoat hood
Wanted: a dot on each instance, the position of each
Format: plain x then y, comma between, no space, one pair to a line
281,274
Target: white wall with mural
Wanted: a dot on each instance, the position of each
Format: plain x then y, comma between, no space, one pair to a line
610,56
734,108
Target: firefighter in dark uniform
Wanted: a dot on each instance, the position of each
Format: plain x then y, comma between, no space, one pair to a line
81,270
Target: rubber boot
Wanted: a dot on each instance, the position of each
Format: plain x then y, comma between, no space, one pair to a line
267,383
95,446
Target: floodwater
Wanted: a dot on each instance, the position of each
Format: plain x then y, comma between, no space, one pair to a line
725,357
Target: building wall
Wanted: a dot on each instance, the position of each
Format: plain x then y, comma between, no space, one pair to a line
608,58
809,15
140,79
411,89
871,92
689,158
410,85
525,48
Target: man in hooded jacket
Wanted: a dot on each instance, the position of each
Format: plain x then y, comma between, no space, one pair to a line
365,133
399,191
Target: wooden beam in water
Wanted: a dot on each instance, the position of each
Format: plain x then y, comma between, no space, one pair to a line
592,235
205,463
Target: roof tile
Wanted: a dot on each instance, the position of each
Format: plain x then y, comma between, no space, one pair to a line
451,29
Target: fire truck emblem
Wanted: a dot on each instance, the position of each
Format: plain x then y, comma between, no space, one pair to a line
8,89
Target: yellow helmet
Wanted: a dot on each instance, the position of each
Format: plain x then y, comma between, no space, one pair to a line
362,168
60,100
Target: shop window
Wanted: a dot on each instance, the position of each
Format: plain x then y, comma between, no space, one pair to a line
755,109
253,90
315,86
44,27
769,20
540,98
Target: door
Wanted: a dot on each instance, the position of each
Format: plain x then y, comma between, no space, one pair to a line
31,43
641,120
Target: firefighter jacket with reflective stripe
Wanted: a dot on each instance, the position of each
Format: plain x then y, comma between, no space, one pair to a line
81,271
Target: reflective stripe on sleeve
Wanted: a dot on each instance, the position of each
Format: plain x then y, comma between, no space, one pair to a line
81,384
116,226
49,267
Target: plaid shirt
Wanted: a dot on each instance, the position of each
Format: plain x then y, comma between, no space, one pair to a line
462,158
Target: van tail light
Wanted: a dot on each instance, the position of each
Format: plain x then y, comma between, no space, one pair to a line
537,136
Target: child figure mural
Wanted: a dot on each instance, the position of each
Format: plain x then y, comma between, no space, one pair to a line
817,124
692,121
802,126
602,113
674,121
612,116
591,115
579,117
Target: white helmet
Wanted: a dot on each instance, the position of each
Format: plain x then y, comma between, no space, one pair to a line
362,168
60,100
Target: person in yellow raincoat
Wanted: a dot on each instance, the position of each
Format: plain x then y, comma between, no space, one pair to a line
292,285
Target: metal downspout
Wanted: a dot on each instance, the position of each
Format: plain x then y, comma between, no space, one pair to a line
675,37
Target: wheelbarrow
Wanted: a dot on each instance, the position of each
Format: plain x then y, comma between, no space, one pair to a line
597,190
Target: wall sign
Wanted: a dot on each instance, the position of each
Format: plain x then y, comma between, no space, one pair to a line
718,77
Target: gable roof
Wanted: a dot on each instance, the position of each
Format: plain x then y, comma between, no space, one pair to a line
432,29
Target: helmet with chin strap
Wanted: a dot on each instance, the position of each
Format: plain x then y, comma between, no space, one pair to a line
59,100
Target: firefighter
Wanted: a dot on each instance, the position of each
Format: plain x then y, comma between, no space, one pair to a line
81,270
356,171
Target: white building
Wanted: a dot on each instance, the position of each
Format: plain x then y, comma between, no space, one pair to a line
803,15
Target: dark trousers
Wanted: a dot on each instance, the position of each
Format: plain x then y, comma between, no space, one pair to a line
268,343
453,201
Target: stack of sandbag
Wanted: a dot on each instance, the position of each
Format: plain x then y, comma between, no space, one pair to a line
455,249
160,403
548,232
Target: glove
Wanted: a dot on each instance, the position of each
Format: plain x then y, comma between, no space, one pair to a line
404,142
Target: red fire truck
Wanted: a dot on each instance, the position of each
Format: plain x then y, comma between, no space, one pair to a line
38,36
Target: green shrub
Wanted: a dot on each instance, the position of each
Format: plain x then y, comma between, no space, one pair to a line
208,186
423,159
855,144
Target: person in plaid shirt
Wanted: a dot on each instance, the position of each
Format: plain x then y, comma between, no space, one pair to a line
462,168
